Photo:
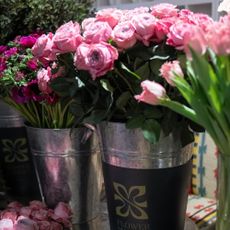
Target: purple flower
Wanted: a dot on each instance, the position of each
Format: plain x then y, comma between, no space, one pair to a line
19,76
18,95
3,65
32,92
32,64
10,52
27,41
3,49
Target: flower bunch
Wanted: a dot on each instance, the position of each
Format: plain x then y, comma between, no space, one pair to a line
35,216
24,83
113,53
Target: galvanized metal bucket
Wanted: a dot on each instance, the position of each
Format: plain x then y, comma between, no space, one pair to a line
146,185
15,159
68,167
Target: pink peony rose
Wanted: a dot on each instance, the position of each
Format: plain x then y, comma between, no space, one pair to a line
97,58
63,210
169,69
97,31
161,29
164,10
55,226
218,36
67,38
43,47
152,92
128,15
43,76
124,35
203,21
24,223
87,22
14,205
45,225
9,214
182,35
40,214
6,224
25,211
110,15
27,41
144,25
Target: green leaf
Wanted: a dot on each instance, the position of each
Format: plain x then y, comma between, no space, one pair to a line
143,71
135,122
153,112
129,71
151,130
95,117
106,85
122,101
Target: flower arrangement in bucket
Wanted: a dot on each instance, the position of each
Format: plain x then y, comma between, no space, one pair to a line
205,87
112,54
56,143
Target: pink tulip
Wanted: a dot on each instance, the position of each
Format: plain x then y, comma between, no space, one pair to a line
152,93
169,69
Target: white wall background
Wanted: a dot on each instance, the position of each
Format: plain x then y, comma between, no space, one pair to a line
202,6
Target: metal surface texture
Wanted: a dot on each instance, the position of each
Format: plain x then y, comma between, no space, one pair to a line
128,148
68,167
9,117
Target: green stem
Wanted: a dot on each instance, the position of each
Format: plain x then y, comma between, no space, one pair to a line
223,207
180,108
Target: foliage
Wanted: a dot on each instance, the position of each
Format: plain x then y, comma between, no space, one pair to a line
21,17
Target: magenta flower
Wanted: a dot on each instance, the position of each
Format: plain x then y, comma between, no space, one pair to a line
27,41
3,65
18,95
10,52
3,49
32,64
32,92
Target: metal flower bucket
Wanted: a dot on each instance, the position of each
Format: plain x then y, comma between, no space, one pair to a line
68,168
15,159
146,185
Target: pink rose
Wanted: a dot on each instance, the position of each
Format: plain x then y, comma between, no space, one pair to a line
63,210
97,58
169,69
9,214
40,214
124,35
24,223
110,15
6,224
27,41
144,25
182,35
128,15
87,22
152,92
55,226
44,225
43,47
44,77
67,38
203,21
97,31
25,211
14,205
218,37
164,10
161,29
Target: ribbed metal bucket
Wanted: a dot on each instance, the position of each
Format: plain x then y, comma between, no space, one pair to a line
15,159
146,185
68,167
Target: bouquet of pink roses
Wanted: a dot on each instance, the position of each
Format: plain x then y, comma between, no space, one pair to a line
24,83
112,54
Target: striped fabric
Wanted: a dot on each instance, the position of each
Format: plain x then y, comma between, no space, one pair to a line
201,207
